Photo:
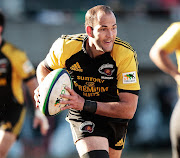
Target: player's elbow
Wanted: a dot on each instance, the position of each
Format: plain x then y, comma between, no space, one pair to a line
131,115
132,110
127,115
156,54
152,53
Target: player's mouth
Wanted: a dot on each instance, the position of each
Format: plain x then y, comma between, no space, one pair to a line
108,45
108,42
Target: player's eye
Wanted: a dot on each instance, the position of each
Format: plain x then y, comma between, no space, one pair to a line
103,29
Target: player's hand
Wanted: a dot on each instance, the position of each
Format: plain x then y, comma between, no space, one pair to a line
75,101
41,120
36,96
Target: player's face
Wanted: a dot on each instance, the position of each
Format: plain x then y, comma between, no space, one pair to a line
105,32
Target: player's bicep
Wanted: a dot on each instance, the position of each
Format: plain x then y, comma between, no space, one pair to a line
130,100
128,97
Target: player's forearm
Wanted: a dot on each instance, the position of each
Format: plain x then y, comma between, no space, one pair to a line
163,62
122,109
41,72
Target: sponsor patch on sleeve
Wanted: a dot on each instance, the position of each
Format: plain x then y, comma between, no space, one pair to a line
129,77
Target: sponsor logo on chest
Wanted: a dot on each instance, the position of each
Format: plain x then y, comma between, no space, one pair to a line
107,70
76,67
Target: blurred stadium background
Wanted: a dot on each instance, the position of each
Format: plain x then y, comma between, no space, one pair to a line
33,25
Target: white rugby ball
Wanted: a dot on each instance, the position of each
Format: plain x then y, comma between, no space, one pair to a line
50,89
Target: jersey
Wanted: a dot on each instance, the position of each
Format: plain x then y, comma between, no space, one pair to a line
170,42
14,69
97,79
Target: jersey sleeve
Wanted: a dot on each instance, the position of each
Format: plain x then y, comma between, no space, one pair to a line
169,41
127,72
54,58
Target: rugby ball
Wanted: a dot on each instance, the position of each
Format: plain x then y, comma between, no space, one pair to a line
50,89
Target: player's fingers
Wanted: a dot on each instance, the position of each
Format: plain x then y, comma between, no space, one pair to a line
66,102
37,101
36,91
36,95
35,123
44,127
71,91
42,121
43,131
67,107
37,104
69,97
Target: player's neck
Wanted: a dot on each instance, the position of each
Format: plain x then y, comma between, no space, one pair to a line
91,50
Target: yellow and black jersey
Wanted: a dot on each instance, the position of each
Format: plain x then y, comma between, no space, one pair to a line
96,78
170,42
14,68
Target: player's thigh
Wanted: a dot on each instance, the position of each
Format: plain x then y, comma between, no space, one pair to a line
114,153
6,141
174,122
92,143
175,130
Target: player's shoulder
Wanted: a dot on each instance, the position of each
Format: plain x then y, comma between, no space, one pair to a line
75,37
122,48
172,32
67,45
71,43
175,24
67,40
13,53
10,48
174,27
121,44
74,40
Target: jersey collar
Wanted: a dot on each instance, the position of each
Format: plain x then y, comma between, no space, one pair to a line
84,44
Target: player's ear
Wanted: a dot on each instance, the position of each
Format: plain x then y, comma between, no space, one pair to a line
89,31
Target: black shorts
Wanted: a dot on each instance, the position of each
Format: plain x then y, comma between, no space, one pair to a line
12,117
84,124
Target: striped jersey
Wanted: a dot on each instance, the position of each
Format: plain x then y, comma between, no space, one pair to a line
100,78
15,68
